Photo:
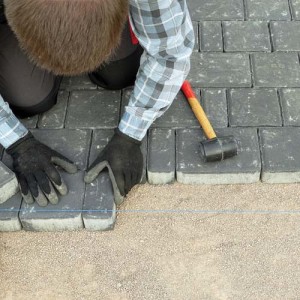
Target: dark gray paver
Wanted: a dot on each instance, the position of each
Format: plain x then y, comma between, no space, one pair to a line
280,154
9,214
216,10
161,156
243,168
276,69
295,7
77,83
55,117
220,70
196,32
246,36
99,208
254,107
66,215
285,36
211,36
8,183
290,102
215,106
93,109
30,122
267,10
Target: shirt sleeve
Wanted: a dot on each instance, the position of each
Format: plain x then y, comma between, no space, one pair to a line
164,29
11,129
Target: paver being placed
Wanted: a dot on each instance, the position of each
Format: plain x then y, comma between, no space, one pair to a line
246,36
254,107
290,102
280,154
276,69
8,183
243,168
93,109
161,156
220,70
211,36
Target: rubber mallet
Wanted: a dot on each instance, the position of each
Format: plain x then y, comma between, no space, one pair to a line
214,148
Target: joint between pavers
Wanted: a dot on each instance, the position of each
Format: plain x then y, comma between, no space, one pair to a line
251,62
291,9
271,37
280,106
223,32
260,152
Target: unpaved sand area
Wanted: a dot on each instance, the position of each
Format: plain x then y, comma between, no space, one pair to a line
170,255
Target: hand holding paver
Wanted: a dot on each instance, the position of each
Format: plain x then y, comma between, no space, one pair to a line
34,165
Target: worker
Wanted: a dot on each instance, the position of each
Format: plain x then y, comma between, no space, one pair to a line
118,43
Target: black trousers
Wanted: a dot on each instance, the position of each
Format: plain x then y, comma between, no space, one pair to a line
30,90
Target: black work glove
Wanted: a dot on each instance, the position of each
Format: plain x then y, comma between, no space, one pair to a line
34,165
124,156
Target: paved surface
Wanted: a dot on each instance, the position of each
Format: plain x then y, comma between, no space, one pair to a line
245,70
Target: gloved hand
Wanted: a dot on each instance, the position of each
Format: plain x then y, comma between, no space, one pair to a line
124,156
33,163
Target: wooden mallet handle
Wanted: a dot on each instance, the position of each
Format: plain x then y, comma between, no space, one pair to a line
198,110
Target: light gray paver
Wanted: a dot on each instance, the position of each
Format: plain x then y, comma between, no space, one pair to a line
254,107
280,154
211,36
220,70
161,156
290,102
276,69
243,168
8,183
246,36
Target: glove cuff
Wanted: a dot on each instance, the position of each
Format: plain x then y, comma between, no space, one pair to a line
127,137
14,147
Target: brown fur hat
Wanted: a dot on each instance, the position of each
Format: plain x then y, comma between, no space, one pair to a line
67,37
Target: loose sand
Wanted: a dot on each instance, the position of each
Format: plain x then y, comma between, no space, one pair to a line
167,255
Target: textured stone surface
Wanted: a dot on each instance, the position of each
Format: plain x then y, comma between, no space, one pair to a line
280,154
250,107
30,122
290,102
220,70
161,156
93,109
243,168
8,183
276,70
211,36
295,7
77,83
246,36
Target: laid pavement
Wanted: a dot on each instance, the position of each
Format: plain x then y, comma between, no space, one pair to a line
246,73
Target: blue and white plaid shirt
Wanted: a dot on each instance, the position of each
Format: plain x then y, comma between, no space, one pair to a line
164,29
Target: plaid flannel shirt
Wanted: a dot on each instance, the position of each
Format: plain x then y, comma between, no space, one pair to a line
164,29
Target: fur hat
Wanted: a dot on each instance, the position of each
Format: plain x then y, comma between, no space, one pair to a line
67,37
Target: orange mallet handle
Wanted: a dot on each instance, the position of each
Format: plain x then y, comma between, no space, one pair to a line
198,110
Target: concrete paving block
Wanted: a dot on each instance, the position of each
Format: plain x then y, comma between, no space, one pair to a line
66,215
55,117
285,36
220,70
280,154
295,8
211,38
161,156
243,168
93,109
77,83
254,107
246,36
276,69
267,10
30,122
290,103
9,214
99,208
8,183
216,10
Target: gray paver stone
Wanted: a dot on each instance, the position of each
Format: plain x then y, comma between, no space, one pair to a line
267,10
8,183
211,36
290,102
280,154
220,70
243,168
77,83
161,156
254,107
9,214
246,36
295,7
276,69
66,215
93,109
